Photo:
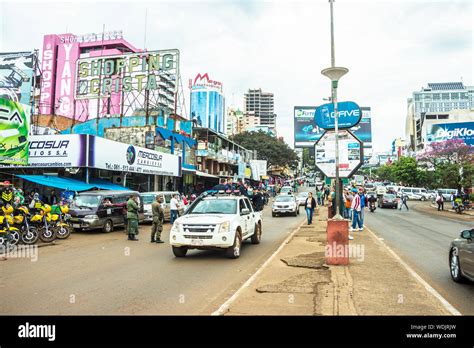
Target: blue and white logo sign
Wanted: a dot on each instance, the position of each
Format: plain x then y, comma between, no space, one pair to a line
349,115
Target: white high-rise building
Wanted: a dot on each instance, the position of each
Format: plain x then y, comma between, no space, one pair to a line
260,105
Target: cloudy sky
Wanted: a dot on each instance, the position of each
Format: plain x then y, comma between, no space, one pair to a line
391,48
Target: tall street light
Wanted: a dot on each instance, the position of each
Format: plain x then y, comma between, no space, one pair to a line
335,73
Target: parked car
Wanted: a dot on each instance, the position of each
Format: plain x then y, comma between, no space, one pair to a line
101,209
413,193
286,190
219,222
285,204
301,198
388,200
149,197
461,257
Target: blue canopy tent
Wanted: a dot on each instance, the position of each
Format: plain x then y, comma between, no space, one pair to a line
72,184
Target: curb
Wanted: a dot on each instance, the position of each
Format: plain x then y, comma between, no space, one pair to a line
449,307
224,308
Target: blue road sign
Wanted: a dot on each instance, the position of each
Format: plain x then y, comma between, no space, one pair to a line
349,115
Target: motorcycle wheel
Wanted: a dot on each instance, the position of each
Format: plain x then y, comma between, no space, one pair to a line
63,232
14,237
30,236
47,236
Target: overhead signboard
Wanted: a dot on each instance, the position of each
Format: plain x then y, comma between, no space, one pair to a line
101,76
305,131
112,155
56,151
351,154
16,76
348,111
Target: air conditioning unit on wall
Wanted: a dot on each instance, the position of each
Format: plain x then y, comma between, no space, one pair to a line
117,179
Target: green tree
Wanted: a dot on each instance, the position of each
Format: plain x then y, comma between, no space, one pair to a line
275,151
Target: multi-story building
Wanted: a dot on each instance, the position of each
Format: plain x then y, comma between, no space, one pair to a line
234,121
261,105
438,103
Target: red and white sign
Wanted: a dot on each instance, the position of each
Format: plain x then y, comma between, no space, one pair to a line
204,81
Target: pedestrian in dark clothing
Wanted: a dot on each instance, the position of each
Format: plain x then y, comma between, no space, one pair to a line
404,201
310,205
53,198
440,201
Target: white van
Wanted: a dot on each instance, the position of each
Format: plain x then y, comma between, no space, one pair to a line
447,193
418,193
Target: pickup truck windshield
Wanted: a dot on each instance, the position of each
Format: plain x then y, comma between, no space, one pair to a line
215,206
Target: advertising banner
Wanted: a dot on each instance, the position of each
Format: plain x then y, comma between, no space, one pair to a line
242,167
14,128
16,76
349,115
350,154
112,155
57,151
305,130
259,168
447,131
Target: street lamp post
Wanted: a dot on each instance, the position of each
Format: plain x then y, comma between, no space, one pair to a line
335,73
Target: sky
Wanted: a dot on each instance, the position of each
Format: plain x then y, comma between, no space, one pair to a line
391,48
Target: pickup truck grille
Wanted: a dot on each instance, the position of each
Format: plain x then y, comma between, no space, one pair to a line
197,237
199,228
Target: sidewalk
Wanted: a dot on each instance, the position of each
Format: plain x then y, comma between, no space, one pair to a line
432,209
297,281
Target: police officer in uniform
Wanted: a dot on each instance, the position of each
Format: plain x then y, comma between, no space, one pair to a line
132,217
158,217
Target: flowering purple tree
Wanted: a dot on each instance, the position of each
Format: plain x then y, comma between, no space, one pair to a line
451,151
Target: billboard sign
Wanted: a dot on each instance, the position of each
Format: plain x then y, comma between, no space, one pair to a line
351,154
14,129
99,77
349,115
204,81
259,169
305,131
112,155
447,131
16,76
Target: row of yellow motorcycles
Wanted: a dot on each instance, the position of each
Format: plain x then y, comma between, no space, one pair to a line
45,223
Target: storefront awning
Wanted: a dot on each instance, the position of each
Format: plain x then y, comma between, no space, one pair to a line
58,182
198,173
71,184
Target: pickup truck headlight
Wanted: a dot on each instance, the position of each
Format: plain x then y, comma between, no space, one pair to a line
91,217
224,227
175,228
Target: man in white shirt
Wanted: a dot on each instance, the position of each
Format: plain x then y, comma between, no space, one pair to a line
174,206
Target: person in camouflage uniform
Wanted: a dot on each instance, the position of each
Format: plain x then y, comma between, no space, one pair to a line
158,217
132,217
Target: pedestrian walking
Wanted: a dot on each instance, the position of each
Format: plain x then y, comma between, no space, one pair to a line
356,208
318,195
174,206
132,217
453,198
347,204
310,204
158,217
403,202
440,201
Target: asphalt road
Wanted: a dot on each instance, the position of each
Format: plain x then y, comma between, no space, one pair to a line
422,240
97,273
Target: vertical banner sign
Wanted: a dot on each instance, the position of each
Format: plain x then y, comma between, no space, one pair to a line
14,126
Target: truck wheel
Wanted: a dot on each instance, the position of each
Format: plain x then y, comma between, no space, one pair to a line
180,251
257,236
108,226
233,252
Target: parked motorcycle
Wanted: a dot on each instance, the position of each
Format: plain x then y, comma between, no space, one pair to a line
28,232
9,235
42,219
61,223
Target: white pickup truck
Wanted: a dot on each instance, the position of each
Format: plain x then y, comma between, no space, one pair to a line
219,222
